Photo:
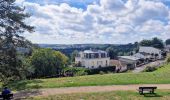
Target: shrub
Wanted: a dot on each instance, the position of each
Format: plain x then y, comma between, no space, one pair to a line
110,69
168,59
76,71
101,73
150,69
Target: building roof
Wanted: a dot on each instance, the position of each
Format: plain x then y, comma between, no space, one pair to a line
129,57
139,55
148,49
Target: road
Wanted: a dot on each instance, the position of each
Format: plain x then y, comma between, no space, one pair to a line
141,68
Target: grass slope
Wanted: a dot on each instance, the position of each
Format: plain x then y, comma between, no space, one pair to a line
115,95
161,76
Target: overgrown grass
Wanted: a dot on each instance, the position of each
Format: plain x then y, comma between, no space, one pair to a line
115,95
160,76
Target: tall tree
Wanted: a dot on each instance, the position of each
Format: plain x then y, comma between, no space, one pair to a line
146,43
11,26
47,62
73,55
112,53
167,42
155,42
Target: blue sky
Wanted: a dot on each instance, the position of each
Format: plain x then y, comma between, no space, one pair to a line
97,21
74,3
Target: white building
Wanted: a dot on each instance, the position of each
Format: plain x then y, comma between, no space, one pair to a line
93,59
167,48
130,61
151,51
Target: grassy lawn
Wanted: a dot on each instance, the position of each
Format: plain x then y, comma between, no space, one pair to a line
160,76
116,95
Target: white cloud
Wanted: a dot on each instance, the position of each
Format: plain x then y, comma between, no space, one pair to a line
19,1
113,5
111,21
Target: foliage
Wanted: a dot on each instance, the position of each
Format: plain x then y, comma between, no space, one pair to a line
73,55
101,73
110,69
155,42
112,53
76,71
167,42
47,62
168,59
11,25
150,69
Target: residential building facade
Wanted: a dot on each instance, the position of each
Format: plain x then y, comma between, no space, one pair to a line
151,52
93,59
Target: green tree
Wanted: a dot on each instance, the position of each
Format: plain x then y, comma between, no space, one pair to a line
155,42
11,26
136,49
73,55
48,63
167,42
112,53
146,43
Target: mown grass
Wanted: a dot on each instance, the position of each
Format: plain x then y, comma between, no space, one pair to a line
115,95
160,76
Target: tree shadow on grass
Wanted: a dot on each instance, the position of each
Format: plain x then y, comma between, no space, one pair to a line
25,85
152,95
25,94
25,88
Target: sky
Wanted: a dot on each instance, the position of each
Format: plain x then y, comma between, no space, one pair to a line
96,21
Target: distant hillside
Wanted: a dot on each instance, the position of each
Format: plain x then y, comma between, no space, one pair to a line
119,49
66,46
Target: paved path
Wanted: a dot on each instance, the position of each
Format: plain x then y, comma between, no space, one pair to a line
141,68
84,89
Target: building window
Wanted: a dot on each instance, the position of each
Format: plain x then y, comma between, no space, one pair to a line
106,62
90,56
100,66
92,63
96,55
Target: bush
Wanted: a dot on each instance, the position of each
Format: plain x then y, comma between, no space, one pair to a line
150,69
168,59
101,72
76,71
110,69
